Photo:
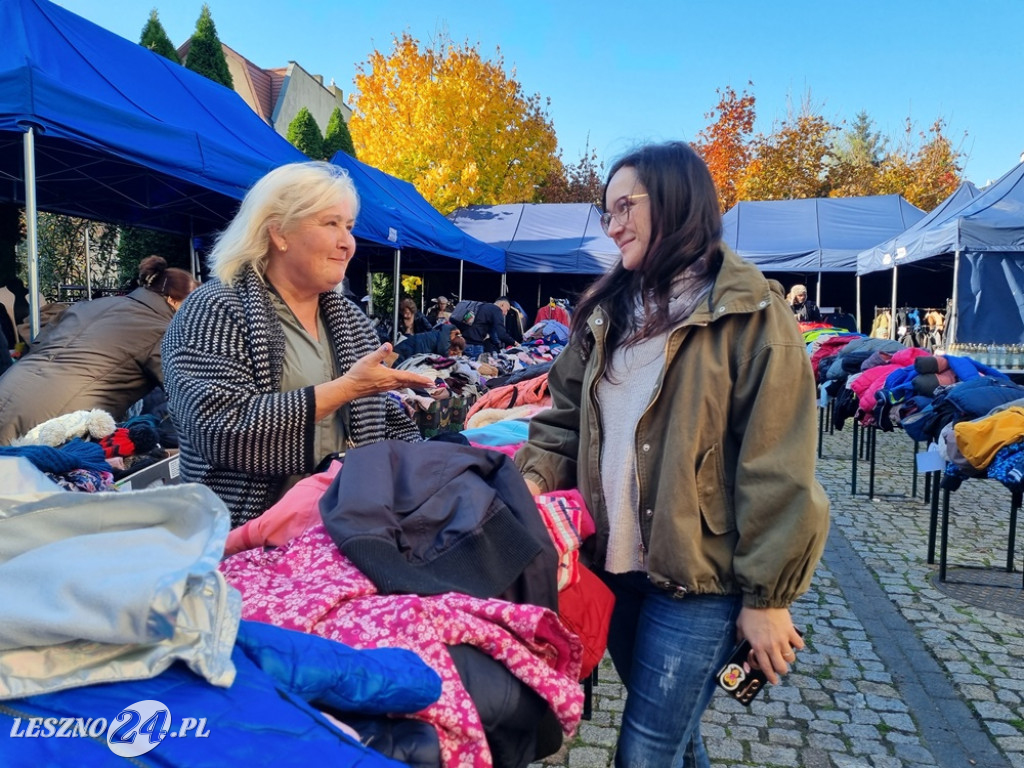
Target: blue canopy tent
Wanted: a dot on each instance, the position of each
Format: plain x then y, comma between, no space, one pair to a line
92,125
393,213
95,126
562,238
893,253
984,240
815,234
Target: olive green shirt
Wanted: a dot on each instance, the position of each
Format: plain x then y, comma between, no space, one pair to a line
308,362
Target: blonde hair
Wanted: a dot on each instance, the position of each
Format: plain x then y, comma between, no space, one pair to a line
284,196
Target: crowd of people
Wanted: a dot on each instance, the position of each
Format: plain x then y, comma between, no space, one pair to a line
681,410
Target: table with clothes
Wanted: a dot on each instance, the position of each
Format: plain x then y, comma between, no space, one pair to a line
445,555
966,412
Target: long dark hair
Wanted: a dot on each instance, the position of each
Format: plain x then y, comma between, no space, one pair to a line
686,225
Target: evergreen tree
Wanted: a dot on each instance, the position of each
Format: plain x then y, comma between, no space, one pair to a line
305,134
205,54
155,38
337,136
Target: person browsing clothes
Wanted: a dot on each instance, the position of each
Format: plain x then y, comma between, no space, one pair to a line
268,369
103,353
683,410
805,310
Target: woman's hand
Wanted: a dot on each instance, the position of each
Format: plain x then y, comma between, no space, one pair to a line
773,639
368,376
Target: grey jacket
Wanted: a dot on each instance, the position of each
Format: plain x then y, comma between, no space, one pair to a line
103,353
725,451
138,586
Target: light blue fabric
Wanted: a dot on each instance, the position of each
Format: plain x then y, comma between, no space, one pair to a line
110,586
505,432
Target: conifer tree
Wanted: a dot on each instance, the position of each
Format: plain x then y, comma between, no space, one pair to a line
305,134
155,38
337,136
205,54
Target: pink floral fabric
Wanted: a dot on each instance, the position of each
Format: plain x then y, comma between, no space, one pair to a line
310,586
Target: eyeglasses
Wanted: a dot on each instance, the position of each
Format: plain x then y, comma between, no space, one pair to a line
620,211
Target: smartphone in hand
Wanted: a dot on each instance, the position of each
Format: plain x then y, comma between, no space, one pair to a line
740,680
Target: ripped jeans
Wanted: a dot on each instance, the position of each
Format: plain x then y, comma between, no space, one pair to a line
666,651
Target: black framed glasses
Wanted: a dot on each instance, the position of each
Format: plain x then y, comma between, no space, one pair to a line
620,211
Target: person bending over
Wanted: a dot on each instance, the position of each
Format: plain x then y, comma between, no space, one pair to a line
103,353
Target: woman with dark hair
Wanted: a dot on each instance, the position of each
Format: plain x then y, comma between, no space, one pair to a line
102,354
683,409
410,319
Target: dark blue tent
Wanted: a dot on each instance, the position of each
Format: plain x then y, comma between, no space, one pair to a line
95,126
894,252
816,234
563,238
393,214
121,134
982,243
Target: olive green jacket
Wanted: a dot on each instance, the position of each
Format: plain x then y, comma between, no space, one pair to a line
725,451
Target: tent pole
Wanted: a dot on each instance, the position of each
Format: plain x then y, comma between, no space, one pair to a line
88,262
817,291
857,316
951,320
461,265
398,280
192,257
504,284
892,316
369,292
32,231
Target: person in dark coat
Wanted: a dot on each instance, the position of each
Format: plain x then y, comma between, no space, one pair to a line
410,319
487,332
805,310
438,342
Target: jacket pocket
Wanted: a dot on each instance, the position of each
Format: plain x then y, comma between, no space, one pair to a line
715,505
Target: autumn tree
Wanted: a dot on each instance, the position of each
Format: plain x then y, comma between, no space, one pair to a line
791,162
725,145
581,182
926,174
304,134
857,159
337,138
456,126
155,38
205,54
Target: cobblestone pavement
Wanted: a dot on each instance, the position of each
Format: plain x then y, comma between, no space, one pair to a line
897,672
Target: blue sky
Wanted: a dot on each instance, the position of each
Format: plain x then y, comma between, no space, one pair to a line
626,72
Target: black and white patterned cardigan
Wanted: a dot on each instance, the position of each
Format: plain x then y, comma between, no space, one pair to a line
238,434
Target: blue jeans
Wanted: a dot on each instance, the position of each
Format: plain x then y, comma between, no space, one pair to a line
473,351
666,651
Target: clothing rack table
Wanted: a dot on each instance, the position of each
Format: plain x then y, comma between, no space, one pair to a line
1011,543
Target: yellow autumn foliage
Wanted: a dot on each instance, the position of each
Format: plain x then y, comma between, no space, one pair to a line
456,126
